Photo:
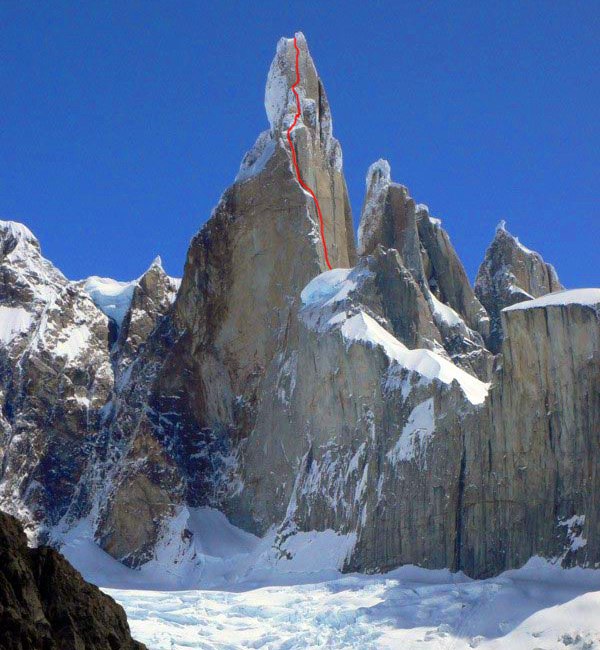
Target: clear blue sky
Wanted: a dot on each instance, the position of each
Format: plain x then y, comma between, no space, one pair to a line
122,122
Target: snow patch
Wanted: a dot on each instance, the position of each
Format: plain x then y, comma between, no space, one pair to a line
328,288
73,342
317,551
444,313
588,297
13,322
574,526
416,434
255,160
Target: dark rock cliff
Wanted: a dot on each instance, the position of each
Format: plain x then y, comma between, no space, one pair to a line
46,605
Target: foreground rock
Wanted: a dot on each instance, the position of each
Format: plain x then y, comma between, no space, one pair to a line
46,605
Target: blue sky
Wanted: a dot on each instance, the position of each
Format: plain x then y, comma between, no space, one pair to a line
122,122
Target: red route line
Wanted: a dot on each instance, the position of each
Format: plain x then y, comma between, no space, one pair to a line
295,159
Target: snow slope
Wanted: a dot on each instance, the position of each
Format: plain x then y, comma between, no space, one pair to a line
362,327
13,322
232,590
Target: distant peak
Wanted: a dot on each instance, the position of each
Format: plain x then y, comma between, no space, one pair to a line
503,234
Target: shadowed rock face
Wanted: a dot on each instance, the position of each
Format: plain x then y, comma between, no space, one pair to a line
46,605
373,399
510,273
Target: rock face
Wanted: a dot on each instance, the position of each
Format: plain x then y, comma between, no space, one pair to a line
381,450
237,308
376,399
510,273
46,605
55,377
532,477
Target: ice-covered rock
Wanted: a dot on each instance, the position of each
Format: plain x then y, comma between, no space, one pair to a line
59,364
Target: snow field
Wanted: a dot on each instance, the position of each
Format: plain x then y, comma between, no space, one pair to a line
538,607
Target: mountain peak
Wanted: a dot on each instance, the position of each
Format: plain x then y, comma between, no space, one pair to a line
157,261
511,273
280,101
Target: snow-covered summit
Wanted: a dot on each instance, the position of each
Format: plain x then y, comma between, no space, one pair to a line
502,232
281,107
379,175
280,101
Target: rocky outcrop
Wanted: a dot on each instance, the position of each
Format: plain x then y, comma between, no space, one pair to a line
510,273
377,428
152,297
389,219
46,605
446,275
